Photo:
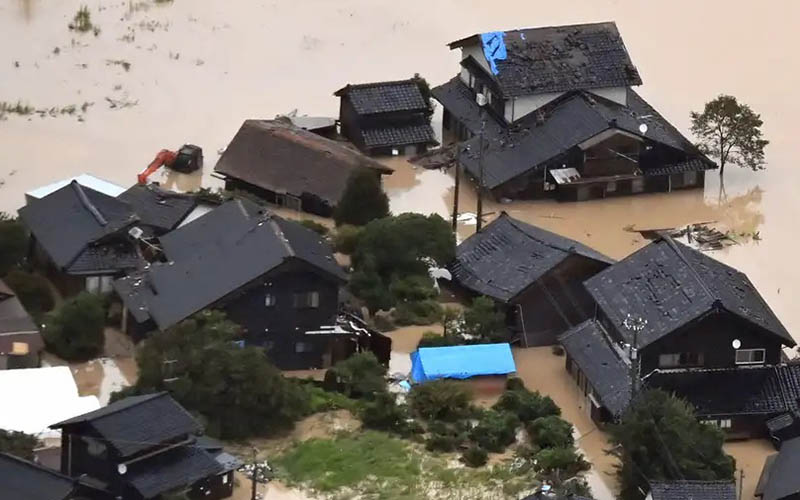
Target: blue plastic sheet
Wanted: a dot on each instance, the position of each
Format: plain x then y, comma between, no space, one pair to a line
494,48
460,362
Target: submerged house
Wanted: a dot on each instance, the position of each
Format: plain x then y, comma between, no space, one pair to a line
534,275
561,118
485,366
143,447
291,167
20,341
383,118
274,277
701,331
779,478
24,480
79,236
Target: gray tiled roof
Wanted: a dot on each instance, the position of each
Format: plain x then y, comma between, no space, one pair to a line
179,467
385,97
13,316
693,490
589,347
398,136
23,480
570,120
137,423
780,479
217,254
692,165
561,58
158,208
459,101
509,255
669,285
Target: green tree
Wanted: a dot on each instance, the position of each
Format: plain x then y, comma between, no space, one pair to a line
482,320
363,199
361,375
74,331
731,132
550,432
236,390
526,405
13,243
659,438
32,290
440,400
18,444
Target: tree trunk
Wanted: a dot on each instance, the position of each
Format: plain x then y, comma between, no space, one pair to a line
721,168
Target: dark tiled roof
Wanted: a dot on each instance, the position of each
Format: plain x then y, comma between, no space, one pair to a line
217,254
398,136
23,480
138,423
459,101
277,156
176,468
763,390
693,490
692,165
385,97
158,208
590,348
13,316
558,58
508,255
73,218
106,257
669,285
780,479
568,121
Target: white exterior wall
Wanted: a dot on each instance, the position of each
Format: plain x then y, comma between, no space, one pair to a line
476,51
517,107
616,94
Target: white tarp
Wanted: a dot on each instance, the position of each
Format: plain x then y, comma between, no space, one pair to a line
565,175
86,180
32,399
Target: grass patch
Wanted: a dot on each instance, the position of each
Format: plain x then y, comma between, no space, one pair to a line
331,464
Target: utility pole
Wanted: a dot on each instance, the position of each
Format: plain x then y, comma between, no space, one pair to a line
455,192
634,324
255,473
481,100
741,483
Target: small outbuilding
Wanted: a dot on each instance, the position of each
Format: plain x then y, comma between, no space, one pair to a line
486,366
20,341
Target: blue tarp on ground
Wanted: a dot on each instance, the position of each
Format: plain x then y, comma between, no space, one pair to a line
462,361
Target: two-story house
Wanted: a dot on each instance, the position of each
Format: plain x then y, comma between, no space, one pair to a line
143,447
383,118
274,277
561,118
533,275
699,329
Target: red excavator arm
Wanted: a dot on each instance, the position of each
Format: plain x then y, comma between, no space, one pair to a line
164,158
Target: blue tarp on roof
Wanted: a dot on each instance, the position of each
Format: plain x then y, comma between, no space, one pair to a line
463,361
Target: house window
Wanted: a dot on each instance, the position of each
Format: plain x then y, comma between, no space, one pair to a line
637,185
689,178
303,347
471,81
673,360
306,300
750,356
725,423
93,284
611,187
269,300
95,447
225,479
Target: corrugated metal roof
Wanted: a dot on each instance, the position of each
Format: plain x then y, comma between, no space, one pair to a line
460,362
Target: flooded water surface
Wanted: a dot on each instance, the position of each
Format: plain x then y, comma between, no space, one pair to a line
159,75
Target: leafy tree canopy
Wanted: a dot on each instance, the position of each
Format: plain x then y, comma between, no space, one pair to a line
236,390
363,199
18,444
32,290
730,132
659,438
74,331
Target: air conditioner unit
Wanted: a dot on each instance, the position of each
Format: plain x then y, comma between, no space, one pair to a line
136,233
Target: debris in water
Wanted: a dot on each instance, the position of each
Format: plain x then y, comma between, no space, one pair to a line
444,157
120,103
701,235
119,62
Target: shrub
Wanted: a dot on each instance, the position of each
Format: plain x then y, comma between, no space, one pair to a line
495,430
515,384
558,350
561,459
363,199
18,444
74,331
431,339
13,243
440,400
527,405
345,240
32,290
383,323
384,414
360,375
367,285
475,456
315,226
550,432
422,312
415,287
444,437
482,320
320,400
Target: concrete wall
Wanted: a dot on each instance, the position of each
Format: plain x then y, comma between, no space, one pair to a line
518,107
616,94
476,51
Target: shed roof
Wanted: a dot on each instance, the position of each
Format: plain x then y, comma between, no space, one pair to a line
460,362
590,348
759,390
278,156
508,255
556,59
159,209
24,480
385,97
137,423
73,225
401,135
568,121
780,479
217,254
693,490
669,285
